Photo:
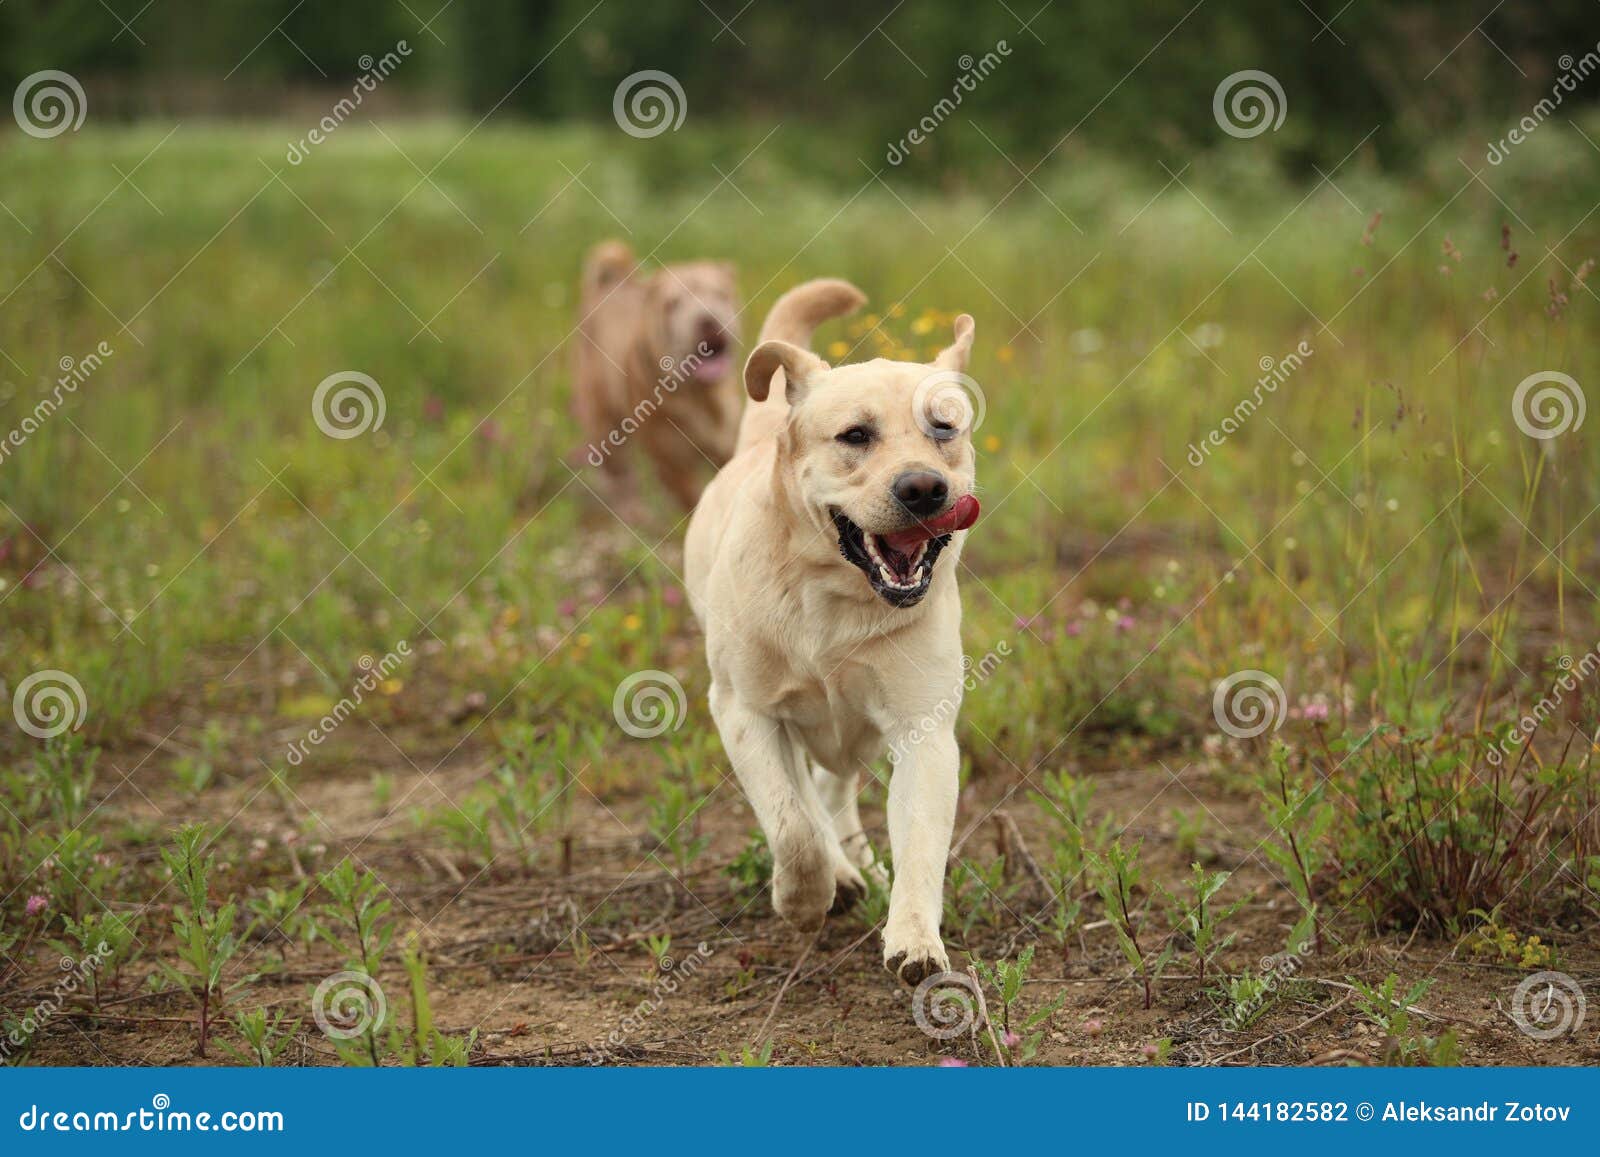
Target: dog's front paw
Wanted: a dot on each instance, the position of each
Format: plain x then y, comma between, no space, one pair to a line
803,891
914,958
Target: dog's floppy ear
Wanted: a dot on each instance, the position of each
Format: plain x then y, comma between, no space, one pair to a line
954,356
798,367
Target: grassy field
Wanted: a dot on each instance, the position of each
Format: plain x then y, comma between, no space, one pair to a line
1238,436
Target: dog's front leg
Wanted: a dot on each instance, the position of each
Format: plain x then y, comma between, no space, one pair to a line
922,815
769,771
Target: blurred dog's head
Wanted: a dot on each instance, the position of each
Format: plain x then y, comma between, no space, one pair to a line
694,316
883,450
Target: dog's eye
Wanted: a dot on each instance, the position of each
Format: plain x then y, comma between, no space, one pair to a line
941,431
854,436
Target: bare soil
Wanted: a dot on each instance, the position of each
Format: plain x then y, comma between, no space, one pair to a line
502,957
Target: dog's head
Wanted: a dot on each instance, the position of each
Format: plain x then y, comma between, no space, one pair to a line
883,450
695,315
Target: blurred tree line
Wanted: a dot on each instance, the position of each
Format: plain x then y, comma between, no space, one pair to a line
1115,76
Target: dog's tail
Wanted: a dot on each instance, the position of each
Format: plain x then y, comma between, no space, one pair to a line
607,264
796,315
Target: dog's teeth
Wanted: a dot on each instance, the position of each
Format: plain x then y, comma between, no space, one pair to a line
916,580
887,577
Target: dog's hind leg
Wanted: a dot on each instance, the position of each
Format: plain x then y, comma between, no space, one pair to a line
853,858
840,796
772,772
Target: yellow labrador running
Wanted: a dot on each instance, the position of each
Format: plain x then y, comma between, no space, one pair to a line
821,562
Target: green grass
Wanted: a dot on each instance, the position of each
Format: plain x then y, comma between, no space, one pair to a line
1342,519
1379,536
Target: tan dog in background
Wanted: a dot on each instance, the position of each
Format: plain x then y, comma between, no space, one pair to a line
821,562
654,364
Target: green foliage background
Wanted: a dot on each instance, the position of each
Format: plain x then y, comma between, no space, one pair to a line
1137,77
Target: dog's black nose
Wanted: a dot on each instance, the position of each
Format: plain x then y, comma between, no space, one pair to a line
921,492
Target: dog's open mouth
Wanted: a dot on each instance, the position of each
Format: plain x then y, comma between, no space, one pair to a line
713,357
900,565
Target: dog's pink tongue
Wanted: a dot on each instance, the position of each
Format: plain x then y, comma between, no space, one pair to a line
961,516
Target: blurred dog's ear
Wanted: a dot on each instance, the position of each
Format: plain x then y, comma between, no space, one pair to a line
799,367
954,356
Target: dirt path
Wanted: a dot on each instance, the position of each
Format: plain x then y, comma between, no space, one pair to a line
556,968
